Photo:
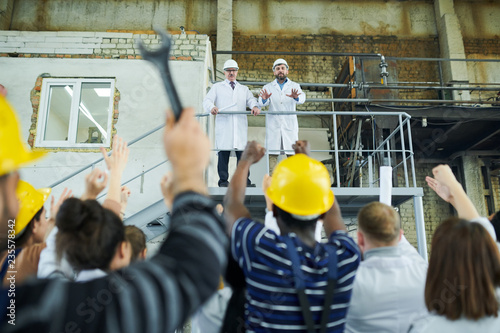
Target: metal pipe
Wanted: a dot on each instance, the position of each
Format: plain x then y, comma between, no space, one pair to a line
139,138
324,113
340,54
370,171
386,100
375,87
322,54
419,225
412,159
440,59
367,86
403,148
336,145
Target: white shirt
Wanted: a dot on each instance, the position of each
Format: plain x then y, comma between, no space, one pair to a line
388,291
440,324
48,266
90,274
284,127
230,130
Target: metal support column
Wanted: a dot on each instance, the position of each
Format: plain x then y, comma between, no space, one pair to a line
420,226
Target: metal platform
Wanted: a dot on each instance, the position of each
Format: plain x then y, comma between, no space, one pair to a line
350,199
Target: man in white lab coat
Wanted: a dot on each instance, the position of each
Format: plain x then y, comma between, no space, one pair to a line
230,129
282,95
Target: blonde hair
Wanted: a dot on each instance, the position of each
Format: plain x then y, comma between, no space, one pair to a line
379,222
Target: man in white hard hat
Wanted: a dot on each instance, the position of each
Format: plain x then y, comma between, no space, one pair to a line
282,95
230,129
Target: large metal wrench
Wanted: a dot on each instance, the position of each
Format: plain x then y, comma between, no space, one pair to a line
160,59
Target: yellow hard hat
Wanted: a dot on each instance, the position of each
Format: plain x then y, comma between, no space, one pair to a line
13,152
30,202
301,186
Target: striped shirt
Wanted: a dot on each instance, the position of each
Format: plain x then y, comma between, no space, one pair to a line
156,295
272,303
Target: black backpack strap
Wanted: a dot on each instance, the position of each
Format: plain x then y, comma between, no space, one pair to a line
330,288
300,285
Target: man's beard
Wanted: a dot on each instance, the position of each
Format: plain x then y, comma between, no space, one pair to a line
280,76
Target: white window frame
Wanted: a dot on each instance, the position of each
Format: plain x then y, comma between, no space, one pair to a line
73,119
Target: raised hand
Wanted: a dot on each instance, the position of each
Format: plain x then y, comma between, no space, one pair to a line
124,195
443,181
253,152
295,93
116,164
302,147
54,208
166,190
95,183
118,159
264,94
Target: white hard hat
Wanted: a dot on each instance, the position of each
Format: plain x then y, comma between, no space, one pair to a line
280,62
230,64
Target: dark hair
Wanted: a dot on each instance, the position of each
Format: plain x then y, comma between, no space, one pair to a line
293,223
28,229
464,270
137,240
88,234
379,222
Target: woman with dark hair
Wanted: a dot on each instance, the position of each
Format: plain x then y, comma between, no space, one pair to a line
462,290
91,238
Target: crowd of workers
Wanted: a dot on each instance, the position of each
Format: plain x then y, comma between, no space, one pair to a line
93,275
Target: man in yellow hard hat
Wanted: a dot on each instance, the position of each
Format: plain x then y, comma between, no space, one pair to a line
158,294
291,277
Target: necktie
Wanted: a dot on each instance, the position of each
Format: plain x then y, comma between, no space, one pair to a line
232,84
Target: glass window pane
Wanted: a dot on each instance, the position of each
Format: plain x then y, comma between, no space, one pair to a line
93,112
56,127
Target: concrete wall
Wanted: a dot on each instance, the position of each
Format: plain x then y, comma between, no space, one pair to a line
402,18
342,17
101,15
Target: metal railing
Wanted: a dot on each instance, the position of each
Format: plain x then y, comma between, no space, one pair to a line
405,151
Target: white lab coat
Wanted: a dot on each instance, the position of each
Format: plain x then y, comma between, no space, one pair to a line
230,130
284,127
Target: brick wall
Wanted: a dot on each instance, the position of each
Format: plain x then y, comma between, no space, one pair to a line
323,69
435,209
495,186
106,45
482,46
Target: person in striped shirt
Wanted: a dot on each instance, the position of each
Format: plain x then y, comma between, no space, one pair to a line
291,278
156,295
